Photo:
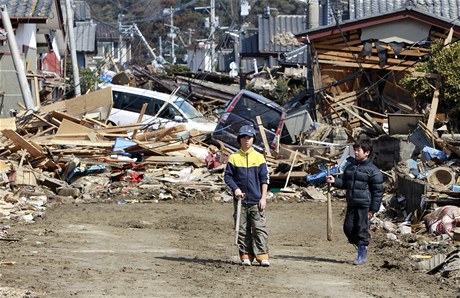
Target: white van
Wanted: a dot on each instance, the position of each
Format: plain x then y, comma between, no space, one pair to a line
163,110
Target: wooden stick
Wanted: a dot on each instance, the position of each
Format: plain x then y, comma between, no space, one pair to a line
290,170
263,135
139,119
329,207
237,223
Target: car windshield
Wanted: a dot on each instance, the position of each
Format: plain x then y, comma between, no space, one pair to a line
249,109
190,112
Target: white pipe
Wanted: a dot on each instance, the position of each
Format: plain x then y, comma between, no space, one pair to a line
73,48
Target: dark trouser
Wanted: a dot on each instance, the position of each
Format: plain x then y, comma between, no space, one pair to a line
356,225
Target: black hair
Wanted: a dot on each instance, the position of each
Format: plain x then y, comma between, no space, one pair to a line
364,143
238,138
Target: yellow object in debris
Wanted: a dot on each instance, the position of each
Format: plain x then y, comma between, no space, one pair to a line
420,257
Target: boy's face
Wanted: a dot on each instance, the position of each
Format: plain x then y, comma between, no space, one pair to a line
246,142
360,155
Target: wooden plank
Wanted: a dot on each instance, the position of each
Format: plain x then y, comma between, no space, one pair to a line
264,137
95,122
48,142
69,127
120,128
364,65
174,159
8,123
448,40
29,147
23,143
78,106
139,119
62,115
347,56
37,92
374,124
25,177
293,175
417,52
44,120
338,39
168,148
420,74
160,133
434,109
350,111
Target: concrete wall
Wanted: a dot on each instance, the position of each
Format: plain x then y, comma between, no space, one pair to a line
390,150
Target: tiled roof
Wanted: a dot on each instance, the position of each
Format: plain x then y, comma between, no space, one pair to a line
105,31
28,8
447,10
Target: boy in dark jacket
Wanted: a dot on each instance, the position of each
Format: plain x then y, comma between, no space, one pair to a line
363,182
247,176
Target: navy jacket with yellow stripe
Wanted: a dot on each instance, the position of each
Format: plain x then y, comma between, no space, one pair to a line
247,171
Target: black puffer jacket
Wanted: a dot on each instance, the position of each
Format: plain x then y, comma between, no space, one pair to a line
364,184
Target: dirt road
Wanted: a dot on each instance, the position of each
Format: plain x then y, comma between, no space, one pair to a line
169,249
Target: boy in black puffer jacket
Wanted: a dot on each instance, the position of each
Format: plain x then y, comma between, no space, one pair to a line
364,184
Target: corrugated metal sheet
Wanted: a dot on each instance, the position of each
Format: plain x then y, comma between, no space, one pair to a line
412,190
276,33
28,8
85,36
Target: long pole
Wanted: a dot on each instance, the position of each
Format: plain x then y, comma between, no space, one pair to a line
329,207
173,55
237,222
213,30
73,49
18,65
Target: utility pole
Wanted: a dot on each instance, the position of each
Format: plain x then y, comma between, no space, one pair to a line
120,38
211,34
18,65
212,26
73,50
244,12
172,31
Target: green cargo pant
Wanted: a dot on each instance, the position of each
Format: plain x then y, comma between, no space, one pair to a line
253,237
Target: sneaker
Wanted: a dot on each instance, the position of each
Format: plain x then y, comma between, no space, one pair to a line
264,263
246,262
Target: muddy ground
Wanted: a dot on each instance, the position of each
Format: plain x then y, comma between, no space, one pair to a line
172,249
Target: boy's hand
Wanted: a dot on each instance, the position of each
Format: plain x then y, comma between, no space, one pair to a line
239,194
370,214
330,179
262,203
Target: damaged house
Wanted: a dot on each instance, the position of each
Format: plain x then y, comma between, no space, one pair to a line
358,63
39,34
358,60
